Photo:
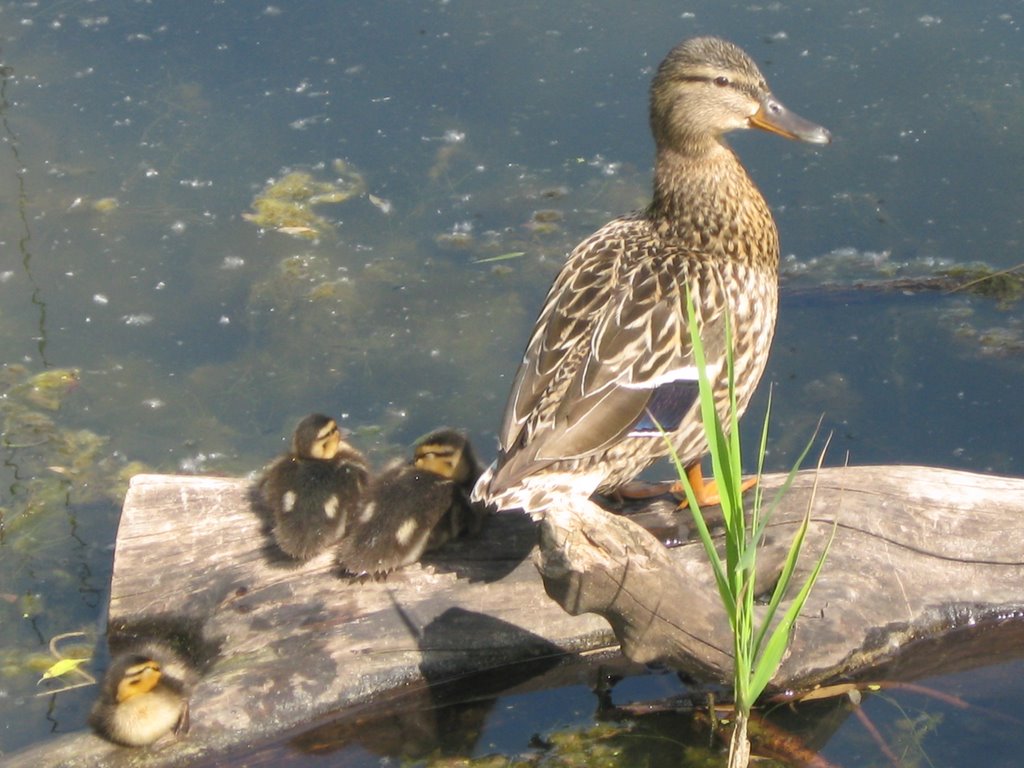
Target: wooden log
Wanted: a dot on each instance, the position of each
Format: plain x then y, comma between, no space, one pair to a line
294,642
918,552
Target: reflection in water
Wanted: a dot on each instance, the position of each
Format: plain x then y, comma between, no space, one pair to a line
635,718
26,234
447,715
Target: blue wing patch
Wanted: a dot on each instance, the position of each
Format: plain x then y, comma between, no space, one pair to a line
669,403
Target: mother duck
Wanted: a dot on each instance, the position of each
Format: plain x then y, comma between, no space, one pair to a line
610,355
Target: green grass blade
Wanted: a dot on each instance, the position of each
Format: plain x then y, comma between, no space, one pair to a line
725,460
781,632
758,651
502,257
771,658
762,450
721,580
781,490
782,585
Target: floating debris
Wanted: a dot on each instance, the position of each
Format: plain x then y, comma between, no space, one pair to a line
106,205
62,667
383,205
545,221
460,236
554,193
502,257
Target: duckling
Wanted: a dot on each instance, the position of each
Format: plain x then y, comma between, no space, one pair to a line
609,362
313,489
446,452
414,507
144,696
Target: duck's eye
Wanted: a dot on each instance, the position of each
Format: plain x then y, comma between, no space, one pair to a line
721,81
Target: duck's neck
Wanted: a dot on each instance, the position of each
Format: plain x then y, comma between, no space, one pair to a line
705,198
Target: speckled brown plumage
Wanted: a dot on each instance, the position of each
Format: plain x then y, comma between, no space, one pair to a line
611,348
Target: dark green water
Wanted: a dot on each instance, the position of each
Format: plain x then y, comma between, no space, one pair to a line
134,136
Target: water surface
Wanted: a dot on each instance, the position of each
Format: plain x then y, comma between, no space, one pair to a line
180,336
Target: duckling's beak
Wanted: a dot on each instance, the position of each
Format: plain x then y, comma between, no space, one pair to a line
774,117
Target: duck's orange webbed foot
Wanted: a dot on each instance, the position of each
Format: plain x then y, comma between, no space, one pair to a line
705,491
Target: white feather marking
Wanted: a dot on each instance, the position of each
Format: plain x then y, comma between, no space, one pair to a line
331,507
368,511
405,532
288,501
686,373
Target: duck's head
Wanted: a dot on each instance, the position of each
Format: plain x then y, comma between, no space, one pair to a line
706,87
446,452
141,675
316,437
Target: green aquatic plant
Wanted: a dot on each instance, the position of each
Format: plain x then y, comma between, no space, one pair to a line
50,466
758,647
604,745
46,389
1006,286
286,204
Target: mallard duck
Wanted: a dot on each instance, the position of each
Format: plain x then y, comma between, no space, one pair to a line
610,356
313,489
144,696
414,507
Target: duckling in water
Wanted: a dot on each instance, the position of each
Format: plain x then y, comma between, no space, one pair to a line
144,696
312,489
415,507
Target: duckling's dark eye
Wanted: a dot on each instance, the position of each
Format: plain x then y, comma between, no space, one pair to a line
721,81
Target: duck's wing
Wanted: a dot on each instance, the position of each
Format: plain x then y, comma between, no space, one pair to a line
559,336
611,354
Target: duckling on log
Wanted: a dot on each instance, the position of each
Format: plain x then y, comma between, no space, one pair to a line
312,490
144,696
414,507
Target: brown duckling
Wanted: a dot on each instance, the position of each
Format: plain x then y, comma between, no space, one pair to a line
144,696
313,489
415,507
447,452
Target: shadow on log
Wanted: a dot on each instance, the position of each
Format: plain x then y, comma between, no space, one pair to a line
918,553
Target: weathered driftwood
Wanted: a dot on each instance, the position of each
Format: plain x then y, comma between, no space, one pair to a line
917,552
294,642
